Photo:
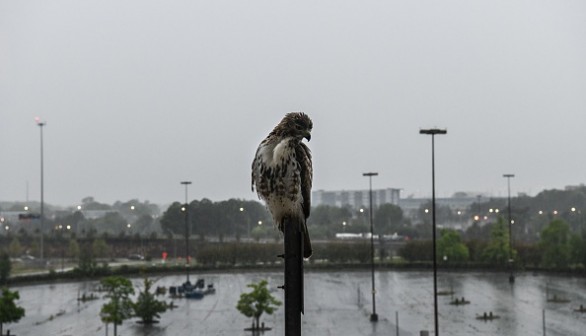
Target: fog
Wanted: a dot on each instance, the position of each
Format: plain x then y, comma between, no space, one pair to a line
140,95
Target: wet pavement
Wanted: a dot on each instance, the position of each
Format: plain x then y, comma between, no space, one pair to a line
336,303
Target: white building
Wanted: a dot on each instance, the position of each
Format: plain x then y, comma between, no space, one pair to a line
356,198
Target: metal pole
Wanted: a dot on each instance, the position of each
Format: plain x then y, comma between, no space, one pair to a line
397,322
435,313
433,132
293,277
511,276
186,184
543,310
373,316
42,254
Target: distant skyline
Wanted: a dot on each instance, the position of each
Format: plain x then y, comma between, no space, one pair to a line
140,95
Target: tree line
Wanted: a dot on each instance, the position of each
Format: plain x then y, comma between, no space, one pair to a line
557,248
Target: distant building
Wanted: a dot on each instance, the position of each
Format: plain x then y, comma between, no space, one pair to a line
356,198
458,202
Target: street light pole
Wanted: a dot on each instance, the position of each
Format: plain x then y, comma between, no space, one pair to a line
41,124
433,132
247,223
373,316
186,209
512,276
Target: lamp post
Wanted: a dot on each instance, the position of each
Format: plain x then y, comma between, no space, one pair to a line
433,132
41,124
247,223
512,276
186,210
373,316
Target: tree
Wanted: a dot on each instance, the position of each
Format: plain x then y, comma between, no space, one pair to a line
477,232
100,248
497,250
173,219
73,249
86,263
450,245
325,221
257,302
147,307
216,219
111,222
72,219
555,243
119,308
144,223
15,249
9,311
388,218
5,268
417,250
578,250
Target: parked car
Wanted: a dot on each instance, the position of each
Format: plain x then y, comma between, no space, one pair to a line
136,257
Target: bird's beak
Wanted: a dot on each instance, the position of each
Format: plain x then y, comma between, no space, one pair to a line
307,136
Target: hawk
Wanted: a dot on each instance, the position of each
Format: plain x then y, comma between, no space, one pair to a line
282,173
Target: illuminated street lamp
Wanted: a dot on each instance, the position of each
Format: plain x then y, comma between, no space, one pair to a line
433,132
247,222
373,316
512,276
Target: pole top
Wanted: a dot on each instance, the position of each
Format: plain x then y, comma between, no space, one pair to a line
186,182
433,131
508,175
370,174
39,122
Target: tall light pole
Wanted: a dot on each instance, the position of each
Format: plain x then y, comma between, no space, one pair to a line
186,210
433,132
373,316
247,223
512,276
41,124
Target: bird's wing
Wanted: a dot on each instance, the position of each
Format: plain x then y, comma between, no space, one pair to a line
254,170
303,155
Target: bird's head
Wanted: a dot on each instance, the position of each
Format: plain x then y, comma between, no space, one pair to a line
295,124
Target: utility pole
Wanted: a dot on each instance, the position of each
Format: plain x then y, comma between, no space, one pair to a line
433,132
41,124
373,316
186,210
512,275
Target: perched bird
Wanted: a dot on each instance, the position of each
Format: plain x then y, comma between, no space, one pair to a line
282,173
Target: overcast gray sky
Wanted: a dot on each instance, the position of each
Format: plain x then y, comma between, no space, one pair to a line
139,95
